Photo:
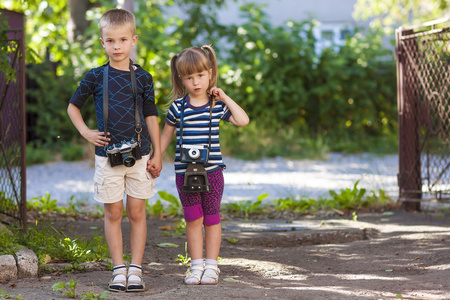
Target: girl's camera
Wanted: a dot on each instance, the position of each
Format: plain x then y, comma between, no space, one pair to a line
124,153
194,153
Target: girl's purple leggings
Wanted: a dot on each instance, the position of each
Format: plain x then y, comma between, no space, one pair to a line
196,205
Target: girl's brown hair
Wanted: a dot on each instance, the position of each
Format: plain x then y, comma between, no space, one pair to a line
189,61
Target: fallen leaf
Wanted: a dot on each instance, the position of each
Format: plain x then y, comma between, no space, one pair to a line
47,259
230,280
390,270
167,245
167,227
417,257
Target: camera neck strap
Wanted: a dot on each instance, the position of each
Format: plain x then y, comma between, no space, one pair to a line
106,100
183,103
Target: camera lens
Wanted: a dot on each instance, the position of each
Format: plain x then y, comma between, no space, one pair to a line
128,159
194,153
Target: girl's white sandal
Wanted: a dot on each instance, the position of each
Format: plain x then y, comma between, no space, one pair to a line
211,275
194,275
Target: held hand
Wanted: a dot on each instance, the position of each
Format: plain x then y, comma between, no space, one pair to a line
154,166
96,137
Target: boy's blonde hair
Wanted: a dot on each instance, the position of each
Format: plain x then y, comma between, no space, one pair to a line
189,61
117,17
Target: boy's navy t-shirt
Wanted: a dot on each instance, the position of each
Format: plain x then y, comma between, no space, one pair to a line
121,115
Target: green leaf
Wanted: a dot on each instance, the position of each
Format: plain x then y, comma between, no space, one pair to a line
230,280
163,245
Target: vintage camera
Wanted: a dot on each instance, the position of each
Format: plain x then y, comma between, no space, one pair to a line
124,153
195,179
194,153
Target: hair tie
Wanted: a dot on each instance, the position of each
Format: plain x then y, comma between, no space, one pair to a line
204,50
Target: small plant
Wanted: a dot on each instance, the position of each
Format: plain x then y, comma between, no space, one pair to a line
44,204
174,207
156,209
246,207
232,240
349,198
67,289
8,244
183,259
355,217
5,295
93,296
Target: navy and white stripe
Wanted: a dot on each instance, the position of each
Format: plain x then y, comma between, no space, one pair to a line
196,130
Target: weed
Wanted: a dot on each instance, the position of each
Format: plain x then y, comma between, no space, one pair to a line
47,243
183,260
355,217
174,207
93,296
246,207
349,198
5,295
8,244
44,204
67,289
232,240
156,209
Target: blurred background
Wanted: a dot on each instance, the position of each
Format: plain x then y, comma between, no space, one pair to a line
314,76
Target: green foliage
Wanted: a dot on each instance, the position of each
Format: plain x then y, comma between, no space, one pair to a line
93,296
246,207
174,208
387,15
156,209
159,210
184,259
44,204
72,152
349,198
347,95
8,244
37,153
66,289
7,47
5,295
47,242
300,104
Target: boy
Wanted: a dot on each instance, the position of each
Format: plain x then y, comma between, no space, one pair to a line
111,181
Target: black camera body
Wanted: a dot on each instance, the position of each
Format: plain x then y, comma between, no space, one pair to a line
194,153
124,153
195,179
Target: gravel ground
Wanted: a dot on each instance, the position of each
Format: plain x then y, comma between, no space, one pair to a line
244,180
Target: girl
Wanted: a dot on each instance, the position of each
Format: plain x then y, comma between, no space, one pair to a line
195,112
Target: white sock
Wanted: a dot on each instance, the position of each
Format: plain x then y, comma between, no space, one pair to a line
195,262
119,277
209,262
134,267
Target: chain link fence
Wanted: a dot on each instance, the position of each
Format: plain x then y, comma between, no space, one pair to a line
423,78
12,126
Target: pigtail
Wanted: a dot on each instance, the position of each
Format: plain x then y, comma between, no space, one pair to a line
178,90
211,55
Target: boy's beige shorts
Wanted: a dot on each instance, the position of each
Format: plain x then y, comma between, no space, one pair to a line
110,184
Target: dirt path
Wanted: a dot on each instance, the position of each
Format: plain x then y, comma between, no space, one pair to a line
377,257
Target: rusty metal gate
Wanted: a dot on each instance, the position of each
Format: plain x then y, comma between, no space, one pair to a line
423,83
12,125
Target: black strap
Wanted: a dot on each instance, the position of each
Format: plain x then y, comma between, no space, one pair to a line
106,99
182,117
